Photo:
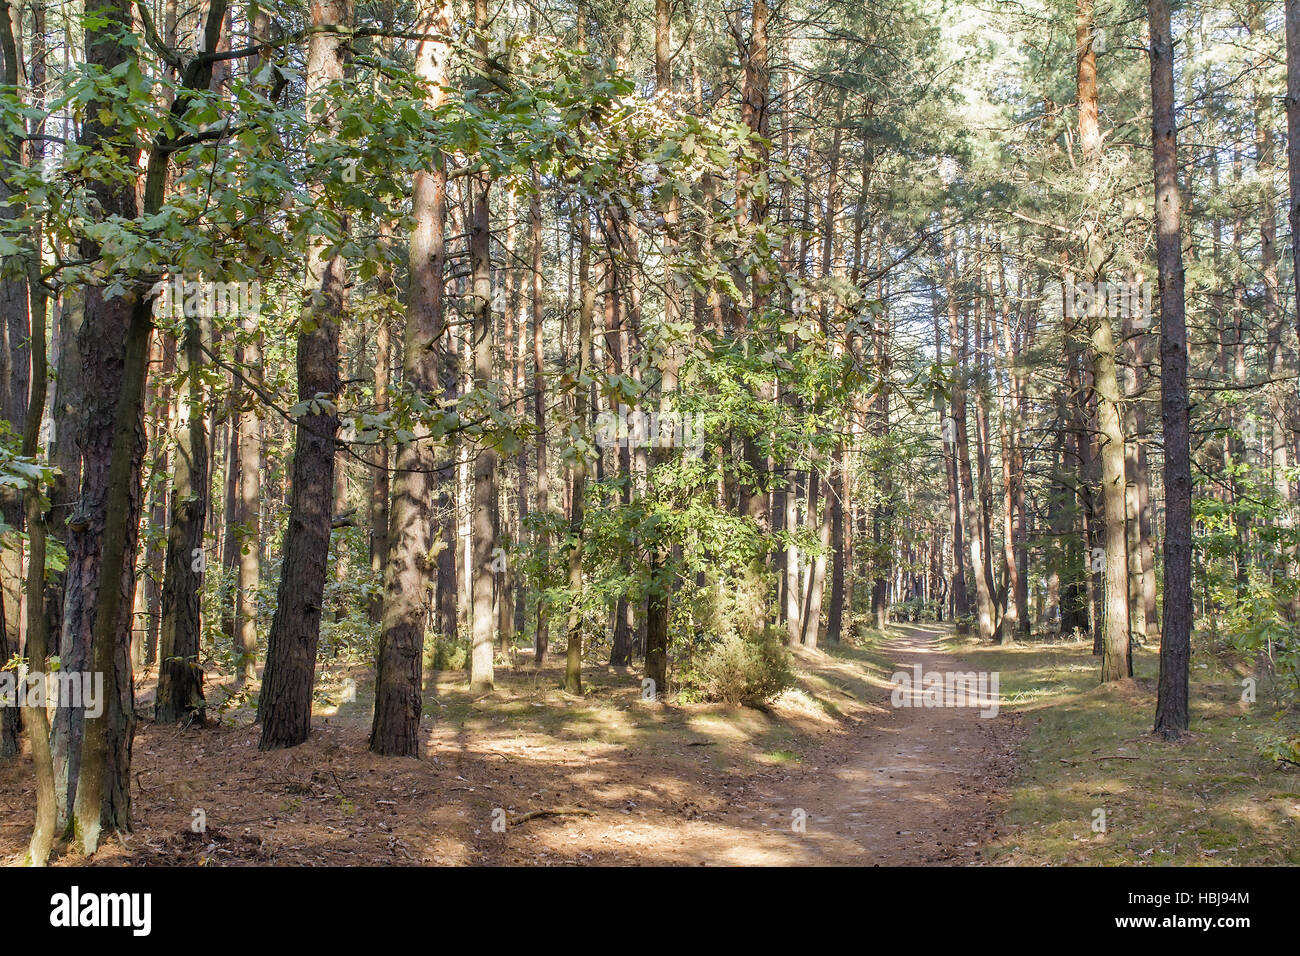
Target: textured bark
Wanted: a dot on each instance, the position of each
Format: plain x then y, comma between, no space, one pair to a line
15,350
284,707
1015,620
398,678
379,482
1116,661
1172,717
93,755
835,612
1140,556
970,507
656,666
754,112
793,603
519,335
10,715
156,552
483,527
1281,396
446,598
882,519
180,680
541,636
36,719
983,445
16,361
615,349
959,603
812,614
230,506
249,517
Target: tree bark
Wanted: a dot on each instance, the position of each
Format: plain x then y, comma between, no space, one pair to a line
284,707
1172,716
408,576
180,679
250,516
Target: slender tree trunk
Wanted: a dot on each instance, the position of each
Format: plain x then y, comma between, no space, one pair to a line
17,363
380,484
1117,661
284,706
483,528
542,504
656,667
812,615
1172,717
408,576
835,613
180,679
36,718
15,346
97,789
1293,136
970,510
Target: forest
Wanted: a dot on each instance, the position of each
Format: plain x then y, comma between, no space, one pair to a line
665,431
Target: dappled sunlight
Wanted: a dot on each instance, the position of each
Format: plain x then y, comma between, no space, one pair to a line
1095,786
528,774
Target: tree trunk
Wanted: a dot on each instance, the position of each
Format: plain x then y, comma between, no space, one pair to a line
106,527
656,666
284,707
250,516
379,488
1172,717
180,679
408,576
812,614
1293,135
542,505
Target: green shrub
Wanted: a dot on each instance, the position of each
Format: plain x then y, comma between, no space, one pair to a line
742,669
446,654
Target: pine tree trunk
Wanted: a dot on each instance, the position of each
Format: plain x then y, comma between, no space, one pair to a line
1172,717
250,517
407,578
380,482
180,679
1293,136
656,667
817,575
284,707
542,505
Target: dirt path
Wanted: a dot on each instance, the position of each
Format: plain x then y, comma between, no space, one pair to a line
652,784
920,785
912,786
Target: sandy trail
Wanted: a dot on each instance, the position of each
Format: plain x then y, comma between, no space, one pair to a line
879,785
913,786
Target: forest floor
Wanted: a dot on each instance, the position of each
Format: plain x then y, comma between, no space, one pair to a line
610,779
1212,798
625,781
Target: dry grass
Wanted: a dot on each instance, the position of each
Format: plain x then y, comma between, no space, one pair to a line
1210,799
